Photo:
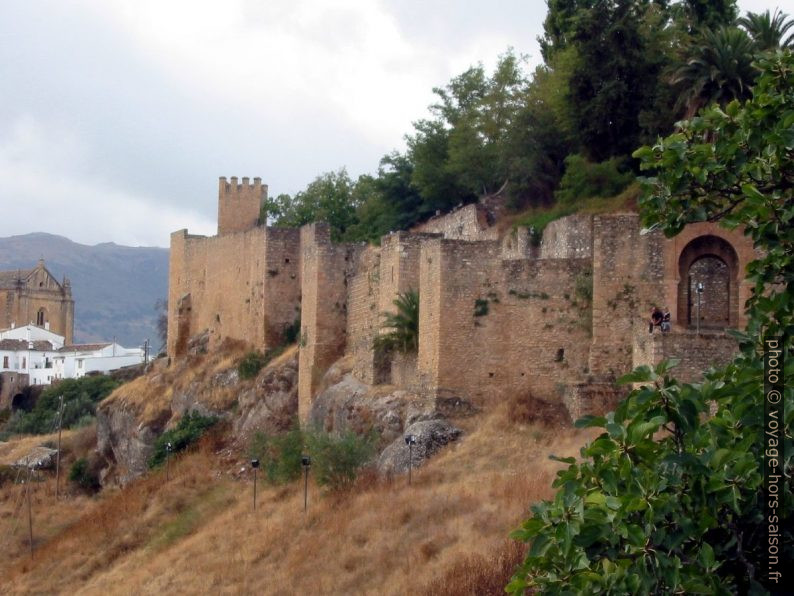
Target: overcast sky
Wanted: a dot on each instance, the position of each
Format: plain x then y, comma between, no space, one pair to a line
118,116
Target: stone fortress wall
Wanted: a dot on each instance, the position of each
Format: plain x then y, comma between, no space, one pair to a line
499,315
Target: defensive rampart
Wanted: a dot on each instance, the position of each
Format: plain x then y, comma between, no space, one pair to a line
499,316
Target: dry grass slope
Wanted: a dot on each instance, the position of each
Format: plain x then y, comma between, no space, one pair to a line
197,532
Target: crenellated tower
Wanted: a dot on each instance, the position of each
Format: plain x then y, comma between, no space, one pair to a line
239,205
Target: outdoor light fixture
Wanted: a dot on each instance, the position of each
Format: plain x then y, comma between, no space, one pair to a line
306,461
410,440
255,465
699,290
168,449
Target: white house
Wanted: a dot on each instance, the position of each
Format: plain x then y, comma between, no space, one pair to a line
42,355
30,350
77,360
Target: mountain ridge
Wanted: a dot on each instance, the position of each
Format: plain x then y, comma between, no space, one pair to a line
115,287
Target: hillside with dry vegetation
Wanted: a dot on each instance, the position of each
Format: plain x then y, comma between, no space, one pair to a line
198,532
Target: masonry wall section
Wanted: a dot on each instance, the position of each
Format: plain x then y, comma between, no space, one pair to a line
363,315
695,353
628,280
282,283
326,271
244,285
469,222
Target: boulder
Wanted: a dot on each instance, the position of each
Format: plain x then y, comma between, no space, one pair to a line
350,405
431,435
40,458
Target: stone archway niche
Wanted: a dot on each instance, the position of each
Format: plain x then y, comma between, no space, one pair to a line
712,262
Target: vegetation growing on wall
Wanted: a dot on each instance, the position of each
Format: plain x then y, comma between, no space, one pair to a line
402,326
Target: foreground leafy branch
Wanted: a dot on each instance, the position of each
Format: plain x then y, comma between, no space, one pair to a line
669,499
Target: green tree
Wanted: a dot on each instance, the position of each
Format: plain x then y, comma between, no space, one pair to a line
686,512
403,325
387,202
696,15
622,55
327,198
462,152
768,32
80,397
719,69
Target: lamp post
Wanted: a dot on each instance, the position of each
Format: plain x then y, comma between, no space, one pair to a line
699,292
410,440
306,462
168,449
255,465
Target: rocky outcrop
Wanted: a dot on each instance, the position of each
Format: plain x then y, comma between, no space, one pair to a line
351,405
271,405
430,436
125,441
131,419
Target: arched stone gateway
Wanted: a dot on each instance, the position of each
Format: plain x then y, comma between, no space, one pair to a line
708,287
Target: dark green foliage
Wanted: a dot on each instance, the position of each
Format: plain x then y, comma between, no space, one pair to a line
187,431
337,459
82,474
403,325
537,220
768,32
480,307
278,455
683,512
718,69
250,365
696,15
584,179
80,399
328,198
621,58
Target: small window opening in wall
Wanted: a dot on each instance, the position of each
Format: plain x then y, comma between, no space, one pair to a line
560,355
286,261
522,374
217,317
41,284
490,374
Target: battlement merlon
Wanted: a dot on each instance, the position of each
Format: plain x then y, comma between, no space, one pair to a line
239,204
231,186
